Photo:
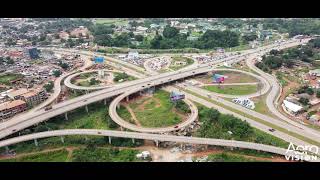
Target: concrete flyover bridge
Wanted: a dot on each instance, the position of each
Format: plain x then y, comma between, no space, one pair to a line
21,122
147,136
117,119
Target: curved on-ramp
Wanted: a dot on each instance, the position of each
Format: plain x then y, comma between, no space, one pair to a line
117,119
147,136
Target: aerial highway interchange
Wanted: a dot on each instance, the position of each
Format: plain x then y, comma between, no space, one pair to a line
173,80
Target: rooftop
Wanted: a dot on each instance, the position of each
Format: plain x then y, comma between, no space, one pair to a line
293,107
29,94
17,92
11,104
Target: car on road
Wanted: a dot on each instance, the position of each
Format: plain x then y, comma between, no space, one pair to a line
272,130
48,108
85,100
99,132
176,127
14,130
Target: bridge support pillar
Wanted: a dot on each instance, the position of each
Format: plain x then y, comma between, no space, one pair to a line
87,92
66,116
87,109
127,98
121,128
133,141
109,139
7,148
105,101
62,139
140,93
118,106
157,143
36,142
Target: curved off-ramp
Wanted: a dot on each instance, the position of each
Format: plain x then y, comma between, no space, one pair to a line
148,136
265,85
121,122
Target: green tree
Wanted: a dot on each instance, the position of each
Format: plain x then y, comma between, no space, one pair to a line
57,73
9,60
318,94
49,86
170,32
138,37
304,101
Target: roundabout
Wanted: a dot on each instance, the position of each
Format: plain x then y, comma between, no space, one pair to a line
110,77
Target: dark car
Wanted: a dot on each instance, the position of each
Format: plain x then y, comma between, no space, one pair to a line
48,108
176,126
272,130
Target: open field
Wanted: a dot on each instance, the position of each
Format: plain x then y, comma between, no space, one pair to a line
232,77
50,156
229,157
7,78
233,89
155,111
116,22
78,154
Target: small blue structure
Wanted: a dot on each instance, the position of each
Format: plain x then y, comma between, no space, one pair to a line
33,52
218,78
98,60
175,96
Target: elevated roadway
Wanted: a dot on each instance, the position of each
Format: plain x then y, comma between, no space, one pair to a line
148,136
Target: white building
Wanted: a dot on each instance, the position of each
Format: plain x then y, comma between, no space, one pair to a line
291,107
133,55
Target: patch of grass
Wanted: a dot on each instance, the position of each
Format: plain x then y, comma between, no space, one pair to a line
97,118
228,157
84,84
188,62
123,76
104,155
280,78
233,89
116,22
52,156
7,78
157,111
251,152
125,114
